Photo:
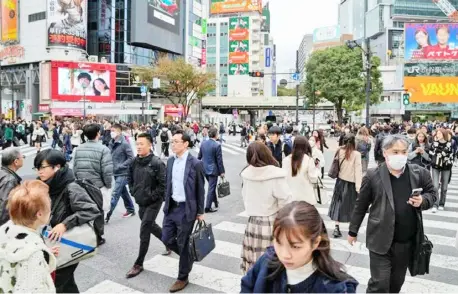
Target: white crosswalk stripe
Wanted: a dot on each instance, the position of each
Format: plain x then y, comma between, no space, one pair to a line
28,151
440,229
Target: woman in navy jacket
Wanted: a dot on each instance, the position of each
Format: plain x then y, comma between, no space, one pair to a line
300,260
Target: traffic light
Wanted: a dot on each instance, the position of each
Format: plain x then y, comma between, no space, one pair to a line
406,98
256,74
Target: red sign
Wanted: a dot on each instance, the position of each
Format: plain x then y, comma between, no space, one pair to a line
204,57
43,107
170,108
12,51
78,81
67,112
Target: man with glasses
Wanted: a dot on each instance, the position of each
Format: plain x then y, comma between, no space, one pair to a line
12,161
184,204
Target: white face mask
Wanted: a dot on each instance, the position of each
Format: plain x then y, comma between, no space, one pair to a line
397,161
113,135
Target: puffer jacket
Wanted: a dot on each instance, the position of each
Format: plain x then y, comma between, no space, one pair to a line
122,155
8,181
147,180
93,161
25,260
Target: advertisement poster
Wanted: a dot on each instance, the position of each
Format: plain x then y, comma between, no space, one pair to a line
165,14
431,69
239,69
72,81
326,34
432,89
432,41
239,44
231,6
203,61
9,10
67,24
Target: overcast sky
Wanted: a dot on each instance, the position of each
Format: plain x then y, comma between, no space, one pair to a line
292,19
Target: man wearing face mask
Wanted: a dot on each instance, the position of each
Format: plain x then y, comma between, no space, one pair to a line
122,155
393,226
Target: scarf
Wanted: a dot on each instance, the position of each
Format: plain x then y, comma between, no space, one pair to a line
59,182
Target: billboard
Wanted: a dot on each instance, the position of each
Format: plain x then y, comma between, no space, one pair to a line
239,69
239,44
326,34
165,14
67,24
431,69
233,6
9,10
268,57
72,81
431,41
425,89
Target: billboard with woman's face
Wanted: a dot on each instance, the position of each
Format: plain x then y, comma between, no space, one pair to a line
431,41
76,81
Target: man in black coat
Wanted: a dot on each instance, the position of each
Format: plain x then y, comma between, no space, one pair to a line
12,161
393,224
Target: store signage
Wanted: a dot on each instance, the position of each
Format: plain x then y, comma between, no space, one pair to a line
15,51
268,56
43,107
432,89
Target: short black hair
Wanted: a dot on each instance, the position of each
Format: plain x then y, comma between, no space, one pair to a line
213,132
117,126
51,156
274,130
185,137
146,136
84,75
289,129
91,131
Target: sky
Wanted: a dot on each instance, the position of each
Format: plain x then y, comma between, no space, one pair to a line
290,20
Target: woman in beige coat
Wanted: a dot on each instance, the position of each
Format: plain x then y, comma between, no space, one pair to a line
347,185
265,191
302,171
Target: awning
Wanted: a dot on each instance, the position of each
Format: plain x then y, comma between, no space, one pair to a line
41,113
67,111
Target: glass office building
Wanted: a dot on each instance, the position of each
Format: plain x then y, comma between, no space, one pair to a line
419,9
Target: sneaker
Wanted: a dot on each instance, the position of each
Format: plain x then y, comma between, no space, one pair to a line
434,209
128,214
441,208
107,220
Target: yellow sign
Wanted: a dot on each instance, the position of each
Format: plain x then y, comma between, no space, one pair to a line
9,30
432,89
233,6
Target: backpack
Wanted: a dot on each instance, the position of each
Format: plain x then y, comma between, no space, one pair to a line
363,148
96,196
164,137
288,142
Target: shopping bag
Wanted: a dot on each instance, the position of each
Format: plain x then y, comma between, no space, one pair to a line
106,193
223,188
201,241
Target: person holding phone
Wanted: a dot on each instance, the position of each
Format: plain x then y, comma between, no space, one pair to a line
396,192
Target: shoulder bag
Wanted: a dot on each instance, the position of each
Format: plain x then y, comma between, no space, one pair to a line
201,241
334,170
423,248
76,244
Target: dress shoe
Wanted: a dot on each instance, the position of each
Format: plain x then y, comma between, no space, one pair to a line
166,252
210,210
178,286
134,271
101,241
216,204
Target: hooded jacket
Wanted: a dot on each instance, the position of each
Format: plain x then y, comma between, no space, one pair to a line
264,190
25,260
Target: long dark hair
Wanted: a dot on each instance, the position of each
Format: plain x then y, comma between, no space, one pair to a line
259,155
301,146
97,92
302,220
349,145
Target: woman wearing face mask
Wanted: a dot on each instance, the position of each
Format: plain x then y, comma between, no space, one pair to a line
317,155
419,151
74,206
347,185
300,260
320,143
21,244
441,165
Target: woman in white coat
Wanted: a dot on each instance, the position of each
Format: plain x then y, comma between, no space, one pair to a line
302,172
316,153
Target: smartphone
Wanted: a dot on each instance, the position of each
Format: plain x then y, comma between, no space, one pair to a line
317,161
416,192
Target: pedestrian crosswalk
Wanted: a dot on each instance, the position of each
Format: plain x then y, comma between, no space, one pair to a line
219,272
28,150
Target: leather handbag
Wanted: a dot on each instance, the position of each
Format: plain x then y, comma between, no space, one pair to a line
201,241
334,170
421,256
223,188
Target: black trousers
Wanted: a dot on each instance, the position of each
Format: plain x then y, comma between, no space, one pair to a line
65,280
148,226
175,235
388,271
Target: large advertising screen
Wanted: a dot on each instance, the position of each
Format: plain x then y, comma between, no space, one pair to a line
72,81
239,45
232,6
432,89
431,41
67,23
326,34
9,12
165,14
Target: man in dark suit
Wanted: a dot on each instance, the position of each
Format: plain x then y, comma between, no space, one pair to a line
393,225
212,156
184,204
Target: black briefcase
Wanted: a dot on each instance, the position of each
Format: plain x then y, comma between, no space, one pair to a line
423,248
223,188
201,241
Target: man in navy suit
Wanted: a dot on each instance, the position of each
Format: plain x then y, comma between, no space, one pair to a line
184,204
212,156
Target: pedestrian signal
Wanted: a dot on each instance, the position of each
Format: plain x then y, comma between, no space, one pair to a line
406,98
256,74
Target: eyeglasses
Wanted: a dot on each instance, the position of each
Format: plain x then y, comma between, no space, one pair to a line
41,167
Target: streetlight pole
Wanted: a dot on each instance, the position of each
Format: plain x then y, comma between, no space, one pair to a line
368,81
297,88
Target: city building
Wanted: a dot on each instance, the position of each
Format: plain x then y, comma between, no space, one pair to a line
195,50
305,49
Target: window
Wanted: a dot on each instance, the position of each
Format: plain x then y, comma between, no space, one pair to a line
37,16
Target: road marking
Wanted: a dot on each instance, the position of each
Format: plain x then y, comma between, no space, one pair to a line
220,281
108,286
233,146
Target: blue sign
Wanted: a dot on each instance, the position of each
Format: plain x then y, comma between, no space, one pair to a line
268,56
295,76
143,89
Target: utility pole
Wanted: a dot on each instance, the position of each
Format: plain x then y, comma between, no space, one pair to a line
314,106
297,89
368,81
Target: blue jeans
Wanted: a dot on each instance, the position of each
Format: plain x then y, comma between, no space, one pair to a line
120,190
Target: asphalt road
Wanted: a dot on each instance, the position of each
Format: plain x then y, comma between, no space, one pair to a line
219,272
